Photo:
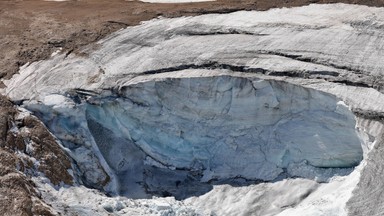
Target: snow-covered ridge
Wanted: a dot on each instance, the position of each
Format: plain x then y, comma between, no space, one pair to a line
190,104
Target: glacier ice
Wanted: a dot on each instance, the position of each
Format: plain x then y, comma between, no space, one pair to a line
197,123
183,107
209,129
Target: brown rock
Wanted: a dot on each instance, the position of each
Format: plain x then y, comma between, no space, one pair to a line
18,195
54,163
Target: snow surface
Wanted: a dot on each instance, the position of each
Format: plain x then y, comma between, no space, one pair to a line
203,108
280,198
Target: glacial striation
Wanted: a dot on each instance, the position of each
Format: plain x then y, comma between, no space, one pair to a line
275,104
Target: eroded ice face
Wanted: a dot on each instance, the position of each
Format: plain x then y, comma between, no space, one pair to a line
223,128
178,136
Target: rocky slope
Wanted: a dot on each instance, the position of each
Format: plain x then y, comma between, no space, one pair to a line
28,149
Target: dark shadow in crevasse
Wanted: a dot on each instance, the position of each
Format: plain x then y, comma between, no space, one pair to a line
138,180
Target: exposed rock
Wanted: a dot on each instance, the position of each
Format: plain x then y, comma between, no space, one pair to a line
53,161
25,150
19,196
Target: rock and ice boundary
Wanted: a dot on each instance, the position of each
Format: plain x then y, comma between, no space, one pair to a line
269,105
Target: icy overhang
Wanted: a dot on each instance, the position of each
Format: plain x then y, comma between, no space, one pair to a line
207,127
230,126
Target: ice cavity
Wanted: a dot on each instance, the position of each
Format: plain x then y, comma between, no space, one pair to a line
178,136
224,127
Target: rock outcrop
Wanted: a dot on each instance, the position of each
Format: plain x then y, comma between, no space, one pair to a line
28,150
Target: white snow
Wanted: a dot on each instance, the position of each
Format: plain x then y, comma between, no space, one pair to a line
286,197
59,49
79,200
329,199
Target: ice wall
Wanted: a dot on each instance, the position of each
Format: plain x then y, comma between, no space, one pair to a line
231,126
210,129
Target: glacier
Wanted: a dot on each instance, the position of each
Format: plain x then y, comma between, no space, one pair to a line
187,128
271,106
197,123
